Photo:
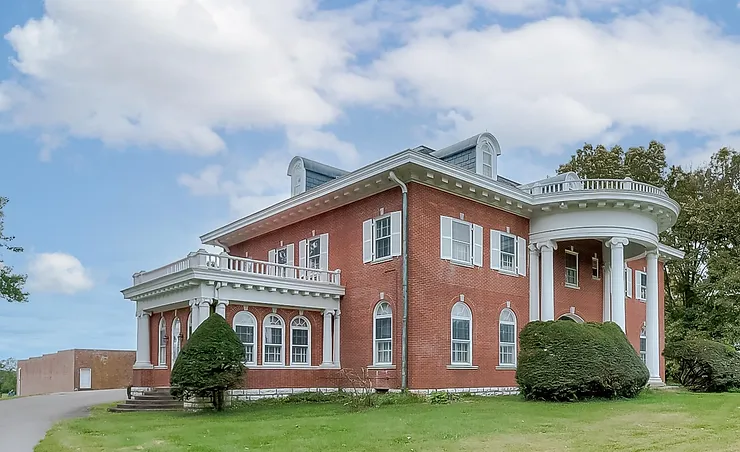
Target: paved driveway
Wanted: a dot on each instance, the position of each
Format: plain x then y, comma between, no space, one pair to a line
25,420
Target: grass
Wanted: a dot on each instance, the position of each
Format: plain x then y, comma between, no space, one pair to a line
661,420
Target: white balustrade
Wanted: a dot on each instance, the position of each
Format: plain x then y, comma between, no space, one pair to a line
597,185
227,263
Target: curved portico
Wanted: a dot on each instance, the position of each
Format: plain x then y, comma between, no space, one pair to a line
626,217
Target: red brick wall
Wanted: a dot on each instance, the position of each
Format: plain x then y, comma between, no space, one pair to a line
588,298
47,374
110,369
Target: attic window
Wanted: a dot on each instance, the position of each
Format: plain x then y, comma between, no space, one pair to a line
298,179
485,157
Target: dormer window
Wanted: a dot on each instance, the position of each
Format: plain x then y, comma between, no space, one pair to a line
297,178
486,153
487,160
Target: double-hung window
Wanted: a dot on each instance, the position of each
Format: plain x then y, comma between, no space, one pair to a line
176,339
245,326
643,345
284,257
300,342
273,341
508,252
461,337
381,237
383,335
314,254
571,268
595,274
507,338
462,242
162,360
641,290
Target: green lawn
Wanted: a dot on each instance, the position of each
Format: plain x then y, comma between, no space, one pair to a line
675,421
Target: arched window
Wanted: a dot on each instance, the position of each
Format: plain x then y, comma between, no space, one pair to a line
190,325
162,359
245,326
176,345
643,345
507,338
382,334
462,326
300,342
273,341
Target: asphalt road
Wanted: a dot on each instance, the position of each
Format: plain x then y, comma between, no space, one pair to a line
25,420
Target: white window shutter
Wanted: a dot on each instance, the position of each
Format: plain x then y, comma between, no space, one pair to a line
290,251
521,256
495,250
396,234
302,257
324,249
629,282
477,245
271,257
446,237
367,241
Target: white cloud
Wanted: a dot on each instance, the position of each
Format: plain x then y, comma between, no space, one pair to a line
58,273
173,74
308,139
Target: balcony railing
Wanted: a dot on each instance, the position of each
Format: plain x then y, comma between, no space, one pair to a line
239,265
596,185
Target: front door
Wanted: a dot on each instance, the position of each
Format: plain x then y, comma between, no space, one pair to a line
85,378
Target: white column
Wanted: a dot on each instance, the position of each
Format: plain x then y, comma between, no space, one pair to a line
534,283
221,307
652,327
326,362
337,316
548,284
617,245
194,313
204,309
607,285
143,352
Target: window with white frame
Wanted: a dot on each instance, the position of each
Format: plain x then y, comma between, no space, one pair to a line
595,269
381,237
382,335
162,359
507,338
508,252
641,289
571,268
487,154
300,342
462,242
273,340
176,337
382,241
461,338
628,282
245,326
314,253
643,345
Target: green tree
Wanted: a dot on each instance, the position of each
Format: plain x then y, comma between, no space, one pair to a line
11,284
7,375
210,363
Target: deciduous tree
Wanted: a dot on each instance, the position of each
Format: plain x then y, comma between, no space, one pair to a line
11,284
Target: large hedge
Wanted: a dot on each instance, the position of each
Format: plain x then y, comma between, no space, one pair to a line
210,363
704,365
568,361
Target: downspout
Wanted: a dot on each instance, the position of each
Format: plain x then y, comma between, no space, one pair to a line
405,284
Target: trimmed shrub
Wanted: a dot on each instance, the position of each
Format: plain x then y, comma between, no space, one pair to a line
569,361
704,365
210,363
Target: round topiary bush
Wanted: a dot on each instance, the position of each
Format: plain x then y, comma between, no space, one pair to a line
211,362
569,361
704,365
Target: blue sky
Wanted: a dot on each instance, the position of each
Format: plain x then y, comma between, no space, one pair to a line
127,129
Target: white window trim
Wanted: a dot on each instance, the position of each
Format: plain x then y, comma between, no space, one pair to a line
501,268
507,322
469,262
595,265
375,239
643,353
265,325
255,334
162,356
189,327
567,284
628,283
469,363
375,338
175,351
639,286
308,355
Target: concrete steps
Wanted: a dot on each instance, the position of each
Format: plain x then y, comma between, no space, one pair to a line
158,399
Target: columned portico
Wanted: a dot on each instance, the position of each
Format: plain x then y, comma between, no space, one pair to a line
534,283
607,293
194,313
337,316
619,313
143,353
204,309
548,282
652,324
221,307
327,345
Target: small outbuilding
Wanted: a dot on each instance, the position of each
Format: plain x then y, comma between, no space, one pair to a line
75,370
